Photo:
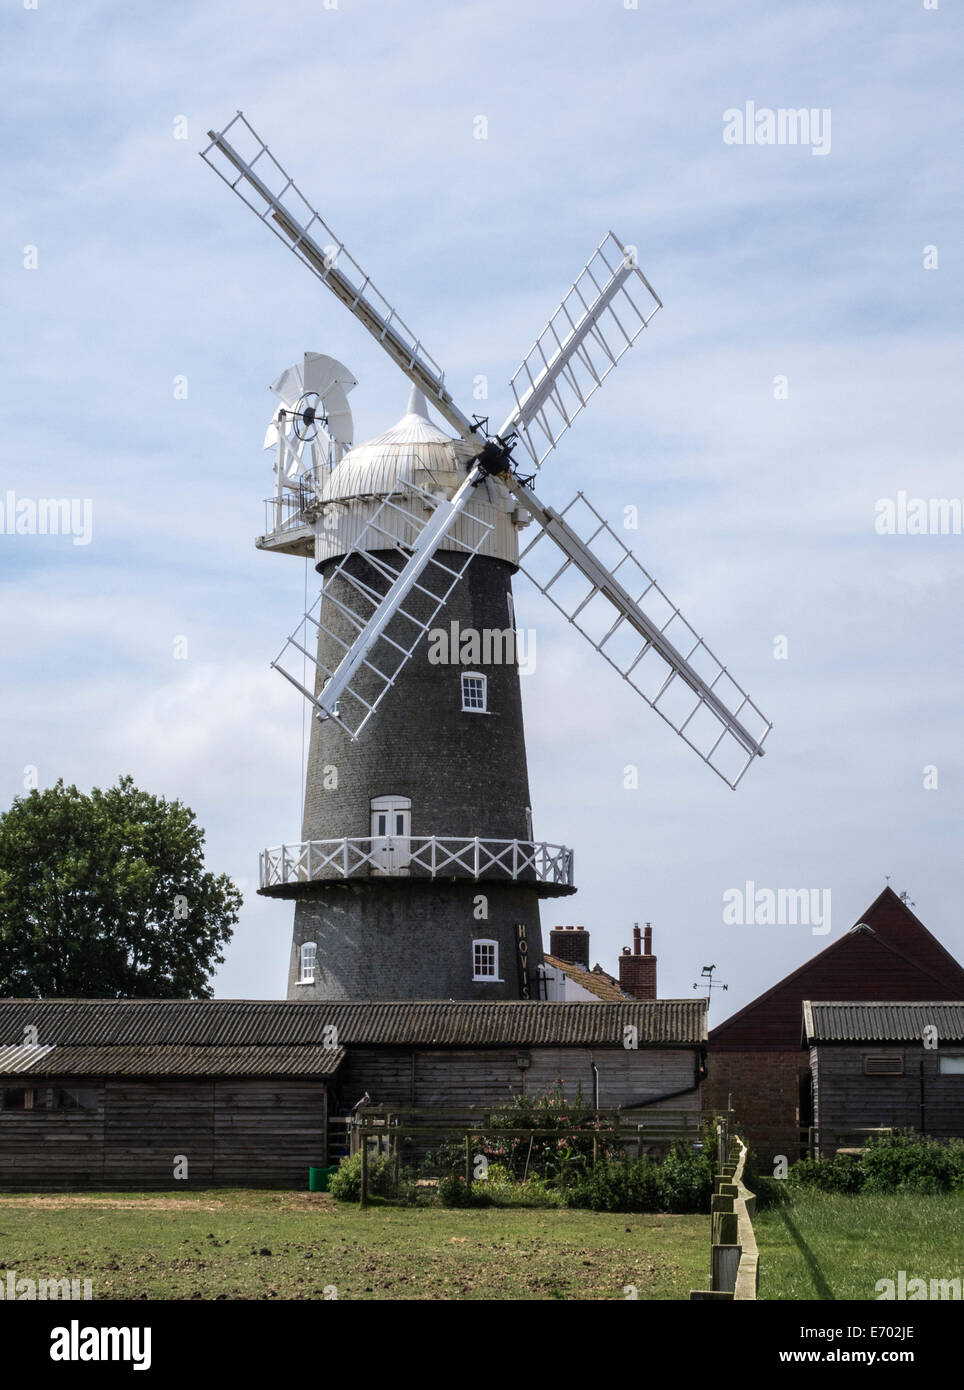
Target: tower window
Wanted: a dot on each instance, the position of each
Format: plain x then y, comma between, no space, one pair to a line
474,693
309,954
485,960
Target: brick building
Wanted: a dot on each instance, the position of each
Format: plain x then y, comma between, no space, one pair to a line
756,1056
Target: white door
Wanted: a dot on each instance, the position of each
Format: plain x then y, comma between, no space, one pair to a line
391,834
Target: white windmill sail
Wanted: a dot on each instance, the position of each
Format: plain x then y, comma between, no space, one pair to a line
640,633
365,598
624,614
600,317
259,181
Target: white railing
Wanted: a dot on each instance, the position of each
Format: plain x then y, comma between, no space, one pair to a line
428,856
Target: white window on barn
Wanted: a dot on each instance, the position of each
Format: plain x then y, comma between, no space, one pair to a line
309,955
951,1064
474,695
485,960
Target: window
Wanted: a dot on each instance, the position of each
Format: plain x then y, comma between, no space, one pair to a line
72,1098
951,1064
485,960
510,605
884,1066
309,953
17,1098
473,693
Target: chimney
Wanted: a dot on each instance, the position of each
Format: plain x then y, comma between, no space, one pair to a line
637,967
570,944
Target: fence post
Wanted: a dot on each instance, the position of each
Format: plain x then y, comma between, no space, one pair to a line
363,1194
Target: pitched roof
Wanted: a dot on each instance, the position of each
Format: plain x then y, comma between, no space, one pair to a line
889,954
878,1021
233,1023
595,981
147,1059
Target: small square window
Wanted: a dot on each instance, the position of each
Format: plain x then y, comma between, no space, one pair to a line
474,693
951,1064
485,960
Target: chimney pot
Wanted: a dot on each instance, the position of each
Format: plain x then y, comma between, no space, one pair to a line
648,940
636,946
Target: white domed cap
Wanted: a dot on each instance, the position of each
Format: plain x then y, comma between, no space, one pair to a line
412,450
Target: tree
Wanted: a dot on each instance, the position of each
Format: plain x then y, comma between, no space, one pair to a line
106,896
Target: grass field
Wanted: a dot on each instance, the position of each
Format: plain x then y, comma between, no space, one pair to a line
289,1245
828,1246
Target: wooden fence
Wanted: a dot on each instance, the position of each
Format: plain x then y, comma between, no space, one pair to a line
734,1258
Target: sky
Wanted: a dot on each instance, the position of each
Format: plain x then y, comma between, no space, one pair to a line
803,374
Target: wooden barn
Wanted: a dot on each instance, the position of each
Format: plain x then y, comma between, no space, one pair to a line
872,1069
755,1055
199,1093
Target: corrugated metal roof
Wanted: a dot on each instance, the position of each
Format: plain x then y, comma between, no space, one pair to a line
146,1059
21,1057
279,1023
857,1021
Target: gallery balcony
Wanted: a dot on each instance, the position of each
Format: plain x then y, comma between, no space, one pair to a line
287,871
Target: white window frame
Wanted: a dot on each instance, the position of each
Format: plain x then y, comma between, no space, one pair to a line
304,978
494,977
475,676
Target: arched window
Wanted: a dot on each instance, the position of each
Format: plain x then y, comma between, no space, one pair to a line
309,954
485,960
474,694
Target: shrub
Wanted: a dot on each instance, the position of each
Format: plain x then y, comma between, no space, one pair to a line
345,1185
908,1162
842,1174
626,1184
454,1191
686,1180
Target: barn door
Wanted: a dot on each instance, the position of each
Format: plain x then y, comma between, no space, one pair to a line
391,834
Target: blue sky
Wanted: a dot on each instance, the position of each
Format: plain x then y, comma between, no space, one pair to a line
756,514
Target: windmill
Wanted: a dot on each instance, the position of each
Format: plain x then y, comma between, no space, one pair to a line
416,526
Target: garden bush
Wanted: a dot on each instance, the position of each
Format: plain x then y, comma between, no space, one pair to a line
908,1162
345,1185
843,1173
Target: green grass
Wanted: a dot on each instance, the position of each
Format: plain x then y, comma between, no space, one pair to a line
288,1245
828,1246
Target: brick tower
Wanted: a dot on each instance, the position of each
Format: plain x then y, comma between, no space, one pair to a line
417,876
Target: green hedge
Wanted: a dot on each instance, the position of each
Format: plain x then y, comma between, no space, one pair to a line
900,1162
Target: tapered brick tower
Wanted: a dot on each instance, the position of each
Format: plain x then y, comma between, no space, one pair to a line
417,876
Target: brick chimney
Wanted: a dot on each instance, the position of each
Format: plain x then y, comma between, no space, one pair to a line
637,967
570,944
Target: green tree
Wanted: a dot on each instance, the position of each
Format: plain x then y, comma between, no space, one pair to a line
106,896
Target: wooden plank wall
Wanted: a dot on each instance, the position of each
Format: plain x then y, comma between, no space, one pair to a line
456,1077
846,1099
233,1132
51,1148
